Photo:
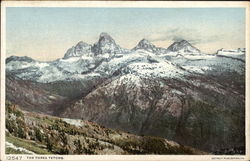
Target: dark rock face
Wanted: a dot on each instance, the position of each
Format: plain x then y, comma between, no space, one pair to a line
106,44
31,97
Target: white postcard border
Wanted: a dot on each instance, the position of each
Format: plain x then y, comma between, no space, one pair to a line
138,4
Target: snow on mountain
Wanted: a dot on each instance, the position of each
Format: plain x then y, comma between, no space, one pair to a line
154,66
106,58
21,149
61,69
76,64
208,62
17,63
232,53
75,122
142,63
130,80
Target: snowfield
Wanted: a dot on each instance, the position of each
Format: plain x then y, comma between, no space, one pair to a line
10,145
75,122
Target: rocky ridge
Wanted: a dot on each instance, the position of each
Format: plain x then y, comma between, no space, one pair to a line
32,133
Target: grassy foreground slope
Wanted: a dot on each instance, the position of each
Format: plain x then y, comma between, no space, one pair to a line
32,133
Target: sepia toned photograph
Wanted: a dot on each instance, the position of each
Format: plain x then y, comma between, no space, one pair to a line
107,79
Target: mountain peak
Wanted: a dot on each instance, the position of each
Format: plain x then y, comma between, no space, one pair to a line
184,41
80,49
105,37
183,45
81,44
148,46
144,44
145,41
104,34
105,44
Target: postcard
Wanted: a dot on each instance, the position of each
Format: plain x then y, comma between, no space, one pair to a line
124,80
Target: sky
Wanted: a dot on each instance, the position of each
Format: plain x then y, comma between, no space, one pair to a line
45,33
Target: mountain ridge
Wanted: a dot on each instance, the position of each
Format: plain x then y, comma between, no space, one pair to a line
182,94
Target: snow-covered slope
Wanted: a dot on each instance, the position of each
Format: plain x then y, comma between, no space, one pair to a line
16,63
142,63
223,61
237,54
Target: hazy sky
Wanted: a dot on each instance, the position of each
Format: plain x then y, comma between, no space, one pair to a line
47,33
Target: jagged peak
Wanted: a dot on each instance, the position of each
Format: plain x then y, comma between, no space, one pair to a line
144,43
78,50
104,34
179,45
182,42
148,46
105,44
105,37
81,43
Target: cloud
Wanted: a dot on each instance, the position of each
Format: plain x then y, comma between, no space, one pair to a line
178,34
177,38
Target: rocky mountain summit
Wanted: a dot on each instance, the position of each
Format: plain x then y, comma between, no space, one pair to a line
178,93
106,44
80,49
183,46
148,46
